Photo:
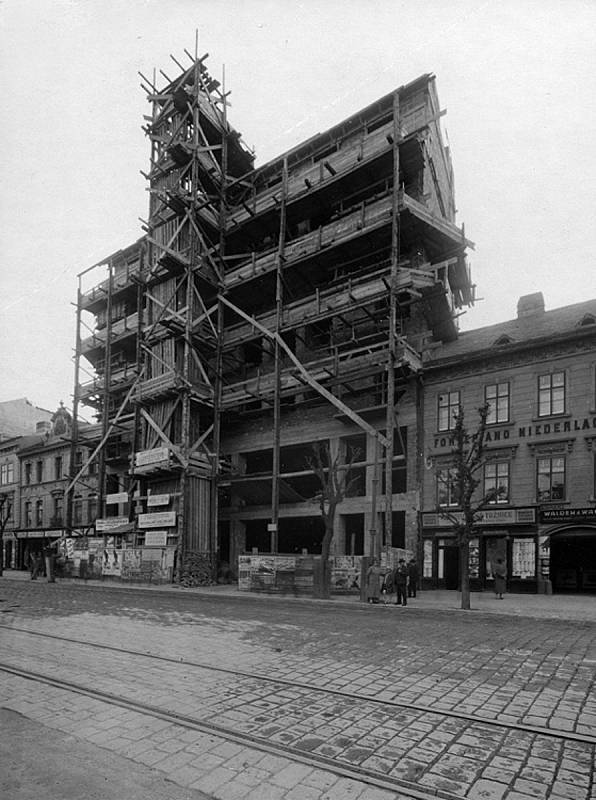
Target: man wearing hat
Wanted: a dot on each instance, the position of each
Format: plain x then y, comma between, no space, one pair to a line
400,582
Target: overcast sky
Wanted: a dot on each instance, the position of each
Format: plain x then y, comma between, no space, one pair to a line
517,78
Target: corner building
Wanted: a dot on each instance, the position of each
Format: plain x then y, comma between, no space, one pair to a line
538,374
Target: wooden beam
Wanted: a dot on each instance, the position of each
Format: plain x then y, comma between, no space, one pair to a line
356,418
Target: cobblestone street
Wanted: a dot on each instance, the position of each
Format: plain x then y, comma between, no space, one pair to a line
323,700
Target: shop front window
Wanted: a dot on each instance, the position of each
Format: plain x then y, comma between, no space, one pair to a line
523,558
550,479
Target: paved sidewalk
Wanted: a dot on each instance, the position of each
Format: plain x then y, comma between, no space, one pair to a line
565,607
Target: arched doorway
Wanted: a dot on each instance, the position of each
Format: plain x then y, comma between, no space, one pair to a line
573,559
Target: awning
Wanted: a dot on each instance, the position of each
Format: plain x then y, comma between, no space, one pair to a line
55,534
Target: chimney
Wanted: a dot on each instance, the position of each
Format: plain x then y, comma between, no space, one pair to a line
530,305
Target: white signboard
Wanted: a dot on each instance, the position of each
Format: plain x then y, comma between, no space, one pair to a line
158,500
108,523
154,456
159,520
119,497
156,538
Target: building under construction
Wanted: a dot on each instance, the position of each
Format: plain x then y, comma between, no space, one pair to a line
263,311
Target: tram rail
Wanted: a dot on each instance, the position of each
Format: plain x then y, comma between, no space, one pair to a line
279,680
309,692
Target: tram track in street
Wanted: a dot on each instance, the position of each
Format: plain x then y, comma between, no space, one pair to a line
279,680
406,791
318,702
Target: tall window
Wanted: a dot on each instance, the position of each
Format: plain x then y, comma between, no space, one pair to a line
39,471
6,474
28,473
77,510
58,504
550,479
28,515
497,397
496,477
92,509
551,394
58,468
39,513
448,410
446,487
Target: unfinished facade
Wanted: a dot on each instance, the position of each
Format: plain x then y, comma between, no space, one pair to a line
265,310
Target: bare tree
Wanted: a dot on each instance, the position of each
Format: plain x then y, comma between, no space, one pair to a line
5,510
465,469
334,477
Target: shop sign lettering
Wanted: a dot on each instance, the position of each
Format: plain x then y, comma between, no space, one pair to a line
503,516
563,514
158,499
110,522
164,519
528,431
155,456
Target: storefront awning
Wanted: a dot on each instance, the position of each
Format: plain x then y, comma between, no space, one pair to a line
55,534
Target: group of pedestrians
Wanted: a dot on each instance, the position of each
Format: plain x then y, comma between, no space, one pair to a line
402,581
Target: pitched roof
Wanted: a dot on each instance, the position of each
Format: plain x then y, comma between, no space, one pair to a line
523,331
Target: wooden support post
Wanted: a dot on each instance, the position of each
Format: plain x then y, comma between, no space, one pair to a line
395,248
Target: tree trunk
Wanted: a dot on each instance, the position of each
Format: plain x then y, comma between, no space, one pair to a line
464,572
322,580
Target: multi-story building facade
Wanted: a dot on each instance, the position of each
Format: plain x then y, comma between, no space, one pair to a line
9,497
538,374
45,472
266,310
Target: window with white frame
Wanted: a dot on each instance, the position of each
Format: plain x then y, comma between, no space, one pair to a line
497,397
448,409
446,487
550,478
551,394
6,474
496,481
39,513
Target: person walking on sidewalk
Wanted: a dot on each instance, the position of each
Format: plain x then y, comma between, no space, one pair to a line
373,582
35,566
400,582
412,578
500,576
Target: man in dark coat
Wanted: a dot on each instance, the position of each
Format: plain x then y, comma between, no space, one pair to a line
400,582
412,578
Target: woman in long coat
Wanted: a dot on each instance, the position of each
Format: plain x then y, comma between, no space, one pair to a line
500,576
373,582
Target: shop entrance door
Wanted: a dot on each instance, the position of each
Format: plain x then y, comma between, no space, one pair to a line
573,561
451,567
